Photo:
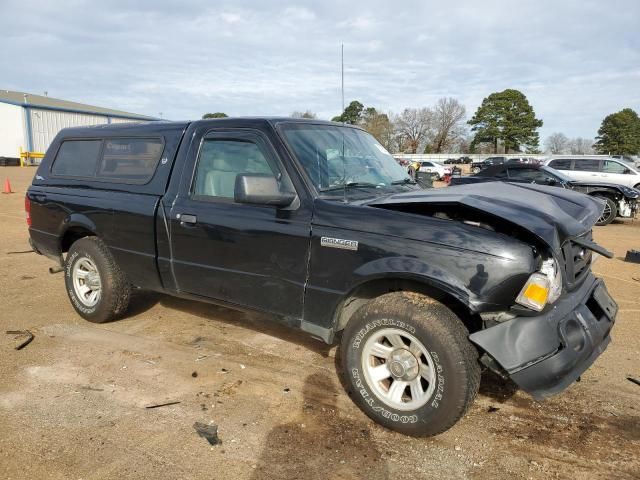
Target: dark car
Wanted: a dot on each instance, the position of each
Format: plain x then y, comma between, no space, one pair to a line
456,161
620,201
316,225
478,166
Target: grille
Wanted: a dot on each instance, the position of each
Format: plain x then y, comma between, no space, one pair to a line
577,260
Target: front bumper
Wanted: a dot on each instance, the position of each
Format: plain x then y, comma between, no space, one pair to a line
544,354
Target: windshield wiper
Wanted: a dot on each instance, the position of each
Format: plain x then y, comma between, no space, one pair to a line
350,185
404,181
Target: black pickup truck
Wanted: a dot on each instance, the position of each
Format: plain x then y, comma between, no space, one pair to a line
316,224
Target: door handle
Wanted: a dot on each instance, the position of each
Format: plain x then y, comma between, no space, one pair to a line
187,219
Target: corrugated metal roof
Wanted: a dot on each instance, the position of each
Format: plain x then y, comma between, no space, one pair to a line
18,98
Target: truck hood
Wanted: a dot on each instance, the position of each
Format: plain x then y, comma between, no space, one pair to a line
552,214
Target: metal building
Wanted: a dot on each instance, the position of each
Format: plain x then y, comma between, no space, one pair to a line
28,123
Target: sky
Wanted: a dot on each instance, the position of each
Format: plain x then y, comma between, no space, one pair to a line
575,60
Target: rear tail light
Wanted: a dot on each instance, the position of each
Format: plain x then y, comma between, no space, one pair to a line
27,209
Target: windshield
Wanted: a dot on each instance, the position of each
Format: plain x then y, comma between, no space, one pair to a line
337,159
558,174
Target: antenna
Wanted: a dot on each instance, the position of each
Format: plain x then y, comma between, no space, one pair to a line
342,73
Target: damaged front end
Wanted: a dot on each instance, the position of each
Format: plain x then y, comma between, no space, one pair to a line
544,354
560,322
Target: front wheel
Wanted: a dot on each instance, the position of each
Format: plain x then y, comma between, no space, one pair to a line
475,170
98,289
408,364
609,213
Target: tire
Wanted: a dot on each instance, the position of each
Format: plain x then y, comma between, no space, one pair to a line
475,170
98,289
610,211
451,377
637,187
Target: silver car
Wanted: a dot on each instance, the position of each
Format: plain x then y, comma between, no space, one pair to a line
597,169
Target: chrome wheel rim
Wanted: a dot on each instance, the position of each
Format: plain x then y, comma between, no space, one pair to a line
398,369
86,282
605,213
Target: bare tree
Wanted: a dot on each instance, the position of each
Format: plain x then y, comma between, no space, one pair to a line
378,125
462,144
414,127
305,114
448,118
581,146
557,143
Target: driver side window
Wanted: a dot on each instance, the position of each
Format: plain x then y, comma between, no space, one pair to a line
220,162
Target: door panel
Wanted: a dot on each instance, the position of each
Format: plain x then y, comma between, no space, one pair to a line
250,255
613,172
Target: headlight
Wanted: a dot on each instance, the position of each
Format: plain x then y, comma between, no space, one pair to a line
551,269
542,287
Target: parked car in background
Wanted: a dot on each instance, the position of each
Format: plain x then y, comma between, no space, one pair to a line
455,161
620,201
437,170
597,169
477,167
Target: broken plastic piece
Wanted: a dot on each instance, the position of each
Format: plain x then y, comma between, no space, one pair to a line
162,405
634,380
208,432
633,256
29,339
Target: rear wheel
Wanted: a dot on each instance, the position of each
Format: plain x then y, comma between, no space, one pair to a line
609,213
475,170
408,364
98,289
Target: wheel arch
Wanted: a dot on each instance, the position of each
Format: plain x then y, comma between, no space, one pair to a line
74,228
615,196
373,288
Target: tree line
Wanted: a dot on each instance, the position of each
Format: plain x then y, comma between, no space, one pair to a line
505,122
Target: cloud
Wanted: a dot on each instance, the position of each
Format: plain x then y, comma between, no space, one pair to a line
361,22
231,18
576,60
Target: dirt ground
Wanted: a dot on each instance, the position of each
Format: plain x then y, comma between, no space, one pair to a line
72,403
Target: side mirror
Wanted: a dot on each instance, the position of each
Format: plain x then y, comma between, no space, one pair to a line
550,181
626,171
260,189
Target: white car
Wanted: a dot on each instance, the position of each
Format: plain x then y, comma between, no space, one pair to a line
436,169
597,169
